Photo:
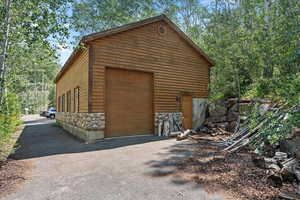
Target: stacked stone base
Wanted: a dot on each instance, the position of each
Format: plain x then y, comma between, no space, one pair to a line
88,127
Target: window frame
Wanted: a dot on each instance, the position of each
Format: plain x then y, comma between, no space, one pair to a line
59,104
63,103
68,101
76,98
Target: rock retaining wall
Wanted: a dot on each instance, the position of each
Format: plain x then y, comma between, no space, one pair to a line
224,113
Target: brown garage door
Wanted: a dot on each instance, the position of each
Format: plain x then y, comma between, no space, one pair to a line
128,103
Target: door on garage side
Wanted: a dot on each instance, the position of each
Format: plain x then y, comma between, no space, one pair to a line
129,102
187,111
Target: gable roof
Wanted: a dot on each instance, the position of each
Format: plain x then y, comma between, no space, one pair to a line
95,36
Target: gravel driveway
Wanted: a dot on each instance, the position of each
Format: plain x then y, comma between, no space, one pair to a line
133,168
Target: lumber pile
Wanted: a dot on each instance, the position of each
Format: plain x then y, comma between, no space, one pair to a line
169,124
252,130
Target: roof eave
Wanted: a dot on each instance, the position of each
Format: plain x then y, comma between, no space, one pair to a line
75,52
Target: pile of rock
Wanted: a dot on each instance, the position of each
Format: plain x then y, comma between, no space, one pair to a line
282,167
291,144
224,113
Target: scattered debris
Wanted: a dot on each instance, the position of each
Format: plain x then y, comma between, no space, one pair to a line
12,174
279,161
233,175
169,124
185,134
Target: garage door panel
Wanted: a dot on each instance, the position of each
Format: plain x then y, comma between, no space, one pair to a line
128,102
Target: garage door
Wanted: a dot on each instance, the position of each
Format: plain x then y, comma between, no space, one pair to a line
128,103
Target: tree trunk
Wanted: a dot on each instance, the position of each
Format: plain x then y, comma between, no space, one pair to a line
4,47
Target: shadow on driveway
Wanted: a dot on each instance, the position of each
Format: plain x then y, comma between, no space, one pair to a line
173,161
44,138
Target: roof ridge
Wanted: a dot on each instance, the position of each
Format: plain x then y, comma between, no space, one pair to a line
150,19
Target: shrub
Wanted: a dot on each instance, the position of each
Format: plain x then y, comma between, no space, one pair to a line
9,120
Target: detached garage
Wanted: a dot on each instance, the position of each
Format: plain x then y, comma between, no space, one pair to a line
127,80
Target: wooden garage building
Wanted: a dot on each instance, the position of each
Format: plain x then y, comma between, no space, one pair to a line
124,80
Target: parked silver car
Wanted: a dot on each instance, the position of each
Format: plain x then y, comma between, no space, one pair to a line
51,113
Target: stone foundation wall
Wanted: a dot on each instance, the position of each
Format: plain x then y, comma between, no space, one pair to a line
86,126
90,126
165,123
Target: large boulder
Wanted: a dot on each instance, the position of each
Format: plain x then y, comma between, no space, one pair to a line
290,146
232,116
234,108
215,119
232,126
218,108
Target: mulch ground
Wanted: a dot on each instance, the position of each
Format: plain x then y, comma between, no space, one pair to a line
12,174
233,175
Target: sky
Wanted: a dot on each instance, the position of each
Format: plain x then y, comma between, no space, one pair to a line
64,54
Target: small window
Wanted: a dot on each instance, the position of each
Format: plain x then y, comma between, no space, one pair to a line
63,103
69,101
58,104
60,108
76,99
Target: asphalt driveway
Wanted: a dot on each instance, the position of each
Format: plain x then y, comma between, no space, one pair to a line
131,168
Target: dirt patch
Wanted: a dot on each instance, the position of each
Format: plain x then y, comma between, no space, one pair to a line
12,174
233,175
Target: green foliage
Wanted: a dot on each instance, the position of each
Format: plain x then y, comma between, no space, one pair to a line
255,45
282,89
52,97
276,126
92,15
9,120
31,76
37,27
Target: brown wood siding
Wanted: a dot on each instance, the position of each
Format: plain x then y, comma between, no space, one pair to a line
177,67
76,76
129,102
